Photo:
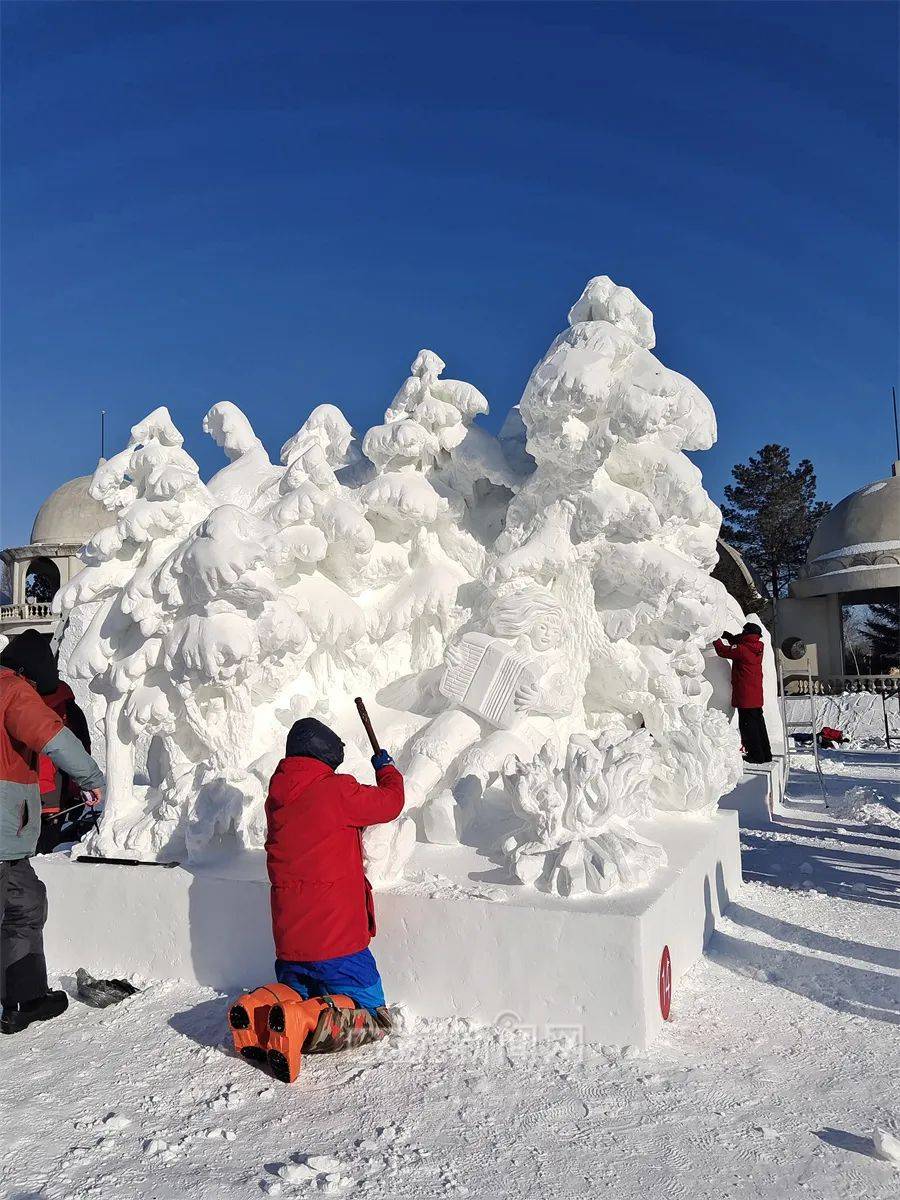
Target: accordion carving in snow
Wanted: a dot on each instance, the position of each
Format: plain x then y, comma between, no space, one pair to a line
486,678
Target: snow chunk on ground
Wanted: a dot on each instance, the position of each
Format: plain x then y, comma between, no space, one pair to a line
865,805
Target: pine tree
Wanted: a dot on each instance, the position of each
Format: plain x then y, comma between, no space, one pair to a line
857,643
41,583
883,631
772,513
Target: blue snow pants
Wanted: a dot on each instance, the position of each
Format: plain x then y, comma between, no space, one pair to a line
353,975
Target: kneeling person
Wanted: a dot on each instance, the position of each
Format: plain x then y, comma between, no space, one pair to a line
323,913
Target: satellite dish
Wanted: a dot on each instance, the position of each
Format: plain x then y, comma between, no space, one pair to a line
793,648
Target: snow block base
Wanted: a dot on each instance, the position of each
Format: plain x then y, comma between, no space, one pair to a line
759,797
455,939
752,799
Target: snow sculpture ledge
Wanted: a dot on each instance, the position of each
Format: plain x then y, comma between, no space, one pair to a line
528,614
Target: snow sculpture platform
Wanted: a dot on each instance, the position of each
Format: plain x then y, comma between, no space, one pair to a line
456,938
751,799
758,798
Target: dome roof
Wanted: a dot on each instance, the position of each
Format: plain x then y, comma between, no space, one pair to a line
70,515
866,520
856,545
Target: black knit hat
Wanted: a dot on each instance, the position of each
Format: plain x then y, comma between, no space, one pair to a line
309,738
751,628
29,654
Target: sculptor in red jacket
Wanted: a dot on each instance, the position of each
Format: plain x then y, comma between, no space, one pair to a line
323,915
746,654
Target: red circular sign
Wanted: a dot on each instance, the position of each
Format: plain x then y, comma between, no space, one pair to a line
665,983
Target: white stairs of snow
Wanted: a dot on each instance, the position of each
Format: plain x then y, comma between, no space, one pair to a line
759,797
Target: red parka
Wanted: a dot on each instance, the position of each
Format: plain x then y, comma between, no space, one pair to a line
746,669
322,903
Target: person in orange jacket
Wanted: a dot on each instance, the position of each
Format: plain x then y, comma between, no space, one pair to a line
28,729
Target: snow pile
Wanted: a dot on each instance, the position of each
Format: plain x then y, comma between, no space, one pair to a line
527,614
864,805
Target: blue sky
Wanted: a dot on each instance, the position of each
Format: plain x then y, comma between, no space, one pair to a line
279,204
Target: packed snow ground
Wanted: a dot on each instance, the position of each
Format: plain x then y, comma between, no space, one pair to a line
781,1062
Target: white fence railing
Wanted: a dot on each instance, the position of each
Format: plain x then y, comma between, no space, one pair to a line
26,612
836,685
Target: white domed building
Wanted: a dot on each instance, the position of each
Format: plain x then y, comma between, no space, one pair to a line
67,519
853,558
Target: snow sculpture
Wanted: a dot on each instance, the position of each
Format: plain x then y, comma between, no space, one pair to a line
614,526
249,474
508,688
156,489
527,614
616,517
577,833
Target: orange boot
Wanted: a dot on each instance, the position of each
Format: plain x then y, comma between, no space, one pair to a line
292,1024
248,1018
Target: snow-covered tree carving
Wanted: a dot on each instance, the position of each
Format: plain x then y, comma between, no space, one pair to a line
615,521
155,488
429,552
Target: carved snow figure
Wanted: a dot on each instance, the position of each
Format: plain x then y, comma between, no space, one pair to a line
577,814
507,688
486,595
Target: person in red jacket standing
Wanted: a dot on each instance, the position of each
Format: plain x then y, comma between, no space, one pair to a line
323,914
745,649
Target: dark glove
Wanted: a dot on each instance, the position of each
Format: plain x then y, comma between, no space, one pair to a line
382,759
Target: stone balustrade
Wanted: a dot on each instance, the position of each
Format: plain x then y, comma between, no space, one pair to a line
17,614
835,685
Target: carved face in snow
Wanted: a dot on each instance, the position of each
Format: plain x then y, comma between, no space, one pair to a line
528,613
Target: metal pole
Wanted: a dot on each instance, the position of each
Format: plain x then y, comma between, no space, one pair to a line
815,732
776,647
784,724
896,425
887,731
103,433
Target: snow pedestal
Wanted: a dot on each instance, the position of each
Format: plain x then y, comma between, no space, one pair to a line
759,796
775,775
751,799
589,967
453,939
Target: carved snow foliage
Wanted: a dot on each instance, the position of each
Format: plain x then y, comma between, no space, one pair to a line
577,810
486,594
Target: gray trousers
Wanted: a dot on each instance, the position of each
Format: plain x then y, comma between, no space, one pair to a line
23,904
